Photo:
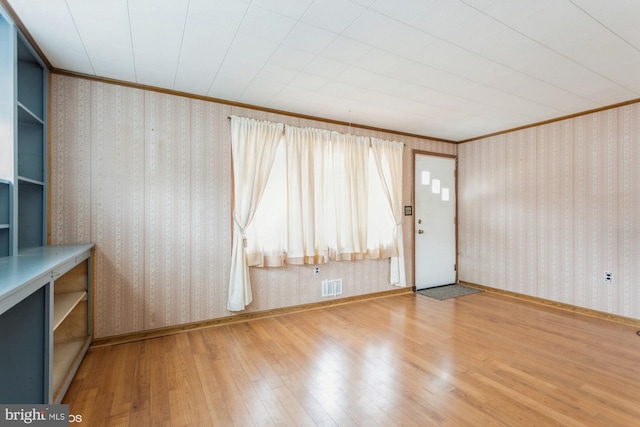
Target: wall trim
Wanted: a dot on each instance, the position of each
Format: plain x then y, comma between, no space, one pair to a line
322,119
239,318
557,119
559,305
242,105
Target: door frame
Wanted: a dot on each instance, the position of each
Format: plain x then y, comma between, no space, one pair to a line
416,153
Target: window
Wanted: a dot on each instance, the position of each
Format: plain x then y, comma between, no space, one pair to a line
307,196
323,200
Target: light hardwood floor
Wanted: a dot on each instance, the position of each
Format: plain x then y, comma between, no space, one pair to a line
479,360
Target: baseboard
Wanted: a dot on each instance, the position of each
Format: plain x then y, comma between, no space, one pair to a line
242,317
559,305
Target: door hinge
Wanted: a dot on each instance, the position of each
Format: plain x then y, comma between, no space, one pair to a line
455,267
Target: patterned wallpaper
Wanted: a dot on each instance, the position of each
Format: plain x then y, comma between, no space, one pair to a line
146,176
546,211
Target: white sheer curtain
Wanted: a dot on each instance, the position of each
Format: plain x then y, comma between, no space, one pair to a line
307,160
327,195
388,159
348,194
253,145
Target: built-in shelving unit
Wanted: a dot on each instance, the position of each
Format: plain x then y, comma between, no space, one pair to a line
45,319
5,215
70,326
23,93
45,291
7,143
31,171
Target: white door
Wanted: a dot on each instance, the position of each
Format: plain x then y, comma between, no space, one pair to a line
435,216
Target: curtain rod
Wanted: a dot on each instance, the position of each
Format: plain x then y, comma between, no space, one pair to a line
285,125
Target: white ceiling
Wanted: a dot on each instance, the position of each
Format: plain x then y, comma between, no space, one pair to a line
452,69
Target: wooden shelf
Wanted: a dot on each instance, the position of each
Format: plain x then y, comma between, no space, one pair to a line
70,322
65,355
64,303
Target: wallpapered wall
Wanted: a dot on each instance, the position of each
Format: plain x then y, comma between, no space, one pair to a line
146,176
546,210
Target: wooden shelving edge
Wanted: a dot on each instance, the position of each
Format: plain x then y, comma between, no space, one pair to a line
66,360
63,303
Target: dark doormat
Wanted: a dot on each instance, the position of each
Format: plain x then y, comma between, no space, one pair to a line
448,291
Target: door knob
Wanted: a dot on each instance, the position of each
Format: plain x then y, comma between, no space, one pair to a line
420,231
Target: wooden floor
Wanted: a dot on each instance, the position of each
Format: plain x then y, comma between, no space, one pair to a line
478,360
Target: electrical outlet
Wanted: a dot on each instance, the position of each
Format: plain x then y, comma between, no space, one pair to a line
608,277
316,270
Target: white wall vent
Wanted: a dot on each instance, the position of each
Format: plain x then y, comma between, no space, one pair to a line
331,288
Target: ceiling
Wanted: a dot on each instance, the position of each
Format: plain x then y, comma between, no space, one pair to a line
450,69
